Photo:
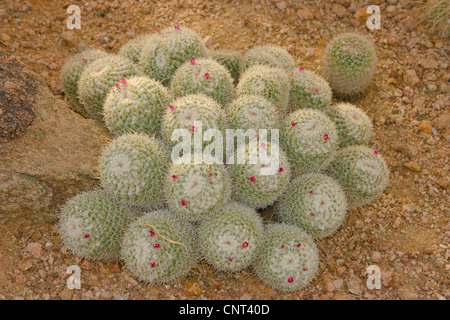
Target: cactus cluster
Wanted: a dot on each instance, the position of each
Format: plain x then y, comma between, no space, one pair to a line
230,238
350,62
161,214
203,76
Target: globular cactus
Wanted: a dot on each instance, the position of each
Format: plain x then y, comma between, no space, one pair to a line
230,238
288,260
184,112
161,57
91,225
310,140
271,83
252,112
193,190
203,76
308,90
272,56
259,184
362,172
316,203
133,48
350,61
353,125
158,248
439,13
132,168
97,80
71,72
137,105
230,59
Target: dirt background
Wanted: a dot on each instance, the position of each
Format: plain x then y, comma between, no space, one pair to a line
406,232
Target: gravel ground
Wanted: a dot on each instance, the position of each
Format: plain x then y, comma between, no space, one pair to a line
406,232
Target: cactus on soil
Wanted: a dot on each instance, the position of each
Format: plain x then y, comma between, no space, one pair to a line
230,59
272,56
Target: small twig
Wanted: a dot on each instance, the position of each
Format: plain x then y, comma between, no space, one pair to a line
165,238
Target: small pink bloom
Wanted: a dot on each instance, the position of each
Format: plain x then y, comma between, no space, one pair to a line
152,233
192,61
207,76
209,174
84,60
252,178
183,202
159,31
301,69
293,124
280,169
172,108
194,129
263,145
86,235
157,246
312,214
117,85
210,182
298,245
230,258
282,246
311,192
245,244
304,269
174,177
290,280
177,27
124,82
375,152
152,265
316,90
325,136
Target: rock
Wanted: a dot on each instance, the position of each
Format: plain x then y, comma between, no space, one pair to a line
354,285
281,5
339,10
361,15
338,284
397,223
408,150
116,268
393,39
327,280
207,41
386,279
193,288
442,122
429,63
70,39
409,23
66,294
246,296
408,92
304,13
376,256
425,126
410,77
34,248
406,293
5,37
413,166
48,153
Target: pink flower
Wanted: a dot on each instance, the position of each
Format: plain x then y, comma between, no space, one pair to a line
230,258
304,269
124,82
86,235
174,177
316,90
159,31
263,145
311,192
207,76
280,169
282,246
301,69
183,202
192,61
325,136
209,174
375,152
312,214
194,129
84,60
245,244
252,178
152,265
290,280
152,233
157,246
172,108
293,124
117,85
298,245
210,182
177,27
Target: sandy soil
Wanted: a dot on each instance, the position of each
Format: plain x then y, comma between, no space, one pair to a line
406,232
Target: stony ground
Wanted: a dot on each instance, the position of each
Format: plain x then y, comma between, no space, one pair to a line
406,232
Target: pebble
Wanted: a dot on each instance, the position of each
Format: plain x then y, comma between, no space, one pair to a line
339,10
425,126
304,13
34,248
410,77
66,294
192,288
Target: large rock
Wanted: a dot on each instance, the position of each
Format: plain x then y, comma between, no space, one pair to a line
48,153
